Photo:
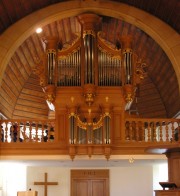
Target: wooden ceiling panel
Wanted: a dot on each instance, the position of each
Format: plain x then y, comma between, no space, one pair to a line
13,78
28,115
31,102
155,100
14,10
39,99
10,99
10,7
20,66
20,54
7,81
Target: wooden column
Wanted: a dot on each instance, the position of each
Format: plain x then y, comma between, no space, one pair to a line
173,156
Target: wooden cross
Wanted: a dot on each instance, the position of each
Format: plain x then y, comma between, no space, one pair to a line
45,183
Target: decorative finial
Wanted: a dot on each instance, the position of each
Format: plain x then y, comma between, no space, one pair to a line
72,99
107,99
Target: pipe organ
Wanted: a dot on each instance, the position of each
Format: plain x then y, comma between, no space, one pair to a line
69,69
51,52
90,82
89,53
127,59
109,70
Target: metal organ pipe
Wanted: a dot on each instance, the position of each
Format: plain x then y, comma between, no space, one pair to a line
51,55
69,70
109,70
128,67
127,53
107,129
89,42
72,129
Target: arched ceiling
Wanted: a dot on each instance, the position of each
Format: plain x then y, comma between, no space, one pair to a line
14,10
20,93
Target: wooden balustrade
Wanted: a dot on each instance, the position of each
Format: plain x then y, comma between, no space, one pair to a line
135,129
27,131
152,130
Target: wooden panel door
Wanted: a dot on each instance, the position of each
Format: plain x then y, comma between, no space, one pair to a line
89,182
98,187
80,187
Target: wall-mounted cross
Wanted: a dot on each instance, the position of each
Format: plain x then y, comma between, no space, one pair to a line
45,183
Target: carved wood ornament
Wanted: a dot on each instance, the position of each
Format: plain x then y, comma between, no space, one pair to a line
90,78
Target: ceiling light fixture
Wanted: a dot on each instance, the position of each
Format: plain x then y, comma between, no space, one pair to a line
39,30
131,160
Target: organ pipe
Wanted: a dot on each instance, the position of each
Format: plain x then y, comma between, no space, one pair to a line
51,53
126,42
72,129
107,129
69,70
128,67
89,23
51,59
109,70
89,42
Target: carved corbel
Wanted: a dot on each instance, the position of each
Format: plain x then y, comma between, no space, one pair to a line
72,152
107,152
129,92
50,93
89,93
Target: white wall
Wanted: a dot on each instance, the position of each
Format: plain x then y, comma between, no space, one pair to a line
130,181
13,178
160,174
55,174
1,183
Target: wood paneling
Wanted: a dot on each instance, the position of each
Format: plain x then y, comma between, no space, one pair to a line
167,193
31,101
158,94
12,11
90,182
174,166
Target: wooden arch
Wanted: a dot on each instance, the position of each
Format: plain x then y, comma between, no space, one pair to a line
164,35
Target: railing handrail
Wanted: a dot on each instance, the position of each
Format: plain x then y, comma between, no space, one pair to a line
152,119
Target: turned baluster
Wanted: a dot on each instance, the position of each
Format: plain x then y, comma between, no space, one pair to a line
30,131
173,132
18,132
42,132
142,131
2,134
149,132
178,132
6,132
160,133
130,131
154,132
137,133
127,130
36,133
24,133
167,132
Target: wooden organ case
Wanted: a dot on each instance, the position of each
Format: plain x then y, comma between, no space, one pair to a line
90,83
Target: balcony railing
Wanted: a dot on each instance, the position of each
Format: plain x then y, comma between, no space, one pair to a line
135,130
27,131
152,130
